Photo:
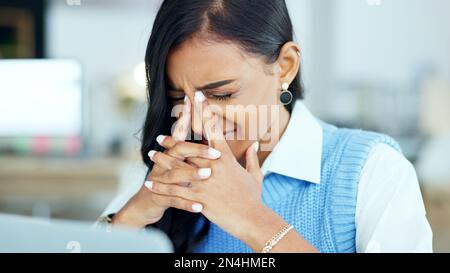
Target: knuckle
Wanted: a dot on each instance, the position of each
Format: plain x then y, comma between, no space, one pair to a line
177,163
197,191
177,146
170,190
156,200
176,151
173,202
157,156
155,171
171,175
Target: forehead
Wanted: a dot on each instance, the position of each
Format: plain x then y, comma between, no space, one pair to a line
197,62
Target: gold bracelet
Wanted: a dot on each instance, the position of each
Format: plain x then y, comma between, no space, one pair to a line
104,222
275,239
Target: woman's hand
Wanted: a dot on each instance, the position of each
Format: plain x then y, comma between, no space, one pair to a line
226,193
230,195
146,207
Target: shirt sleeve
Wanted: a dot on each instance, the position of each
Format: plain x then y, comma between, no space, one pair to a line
132,181
120,201
390,214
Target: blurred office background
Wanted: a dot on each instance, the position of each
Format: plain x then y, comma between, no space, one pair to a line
72,95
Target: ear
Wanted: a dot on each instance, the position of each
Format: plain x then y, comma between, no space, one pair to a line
288,62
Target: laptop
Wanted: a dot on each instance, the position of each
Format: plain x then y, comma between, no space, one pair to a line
19,234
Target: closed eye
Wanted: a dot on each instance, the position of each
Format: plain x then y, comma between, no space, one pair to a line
221,97
176,99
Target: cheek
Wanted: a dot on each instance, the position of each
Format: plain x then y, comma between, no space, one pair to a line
254,124
266,91
252,118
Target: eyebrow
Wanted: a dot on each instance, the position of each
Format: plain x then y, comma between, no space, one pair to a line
215,85
210,85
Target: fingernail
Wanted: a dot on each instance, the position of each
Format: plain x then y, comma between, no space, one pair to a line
197,207
151,154
214,153
199,97
204,172
160,139
256,146
186,98
148,185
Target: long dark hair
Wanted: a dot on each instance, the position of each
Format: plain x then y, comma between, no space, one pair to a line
258,27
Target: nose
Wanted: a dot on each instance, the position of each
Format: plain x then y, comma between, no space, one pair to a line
199,117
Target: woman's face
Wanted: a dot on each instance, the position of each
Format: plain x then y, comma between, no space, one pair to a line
237,86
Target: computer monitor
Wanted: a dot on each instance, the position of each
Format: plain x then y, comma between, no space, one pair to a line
41,101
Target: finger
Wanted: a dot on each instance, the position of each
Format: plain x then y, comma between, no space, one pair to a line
187,149
177,176
177,202
183,124
211,124
182,149
199,162
170,190
252,162
165,161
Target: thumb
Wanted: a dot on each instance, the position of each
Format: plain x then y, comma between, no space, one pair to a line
252,162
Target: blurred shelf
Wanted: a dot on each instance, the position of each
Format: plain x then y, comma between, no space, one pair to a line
57,178
437,203
57,182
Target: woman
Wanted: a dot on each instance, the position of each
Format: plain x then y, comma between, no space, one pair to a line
234,70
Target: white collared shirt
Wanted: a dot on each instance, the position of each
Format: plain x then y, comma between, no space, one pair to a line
390,214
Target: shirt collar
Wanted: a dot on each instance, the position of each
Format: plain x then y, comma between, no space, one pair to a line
298,154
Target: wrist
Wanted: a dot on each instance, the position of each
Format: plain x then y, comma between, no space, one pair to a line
261,227
132,215
126,218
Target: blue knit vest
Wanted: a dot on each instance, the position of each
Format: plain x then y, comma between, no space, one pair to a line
324,214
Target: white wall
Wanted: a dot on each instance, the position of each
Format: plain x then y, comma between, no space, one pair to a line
390,41
351,41
312,21
109,39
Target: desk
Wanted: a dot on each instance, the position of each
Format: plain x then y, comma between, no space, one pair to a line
70,188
